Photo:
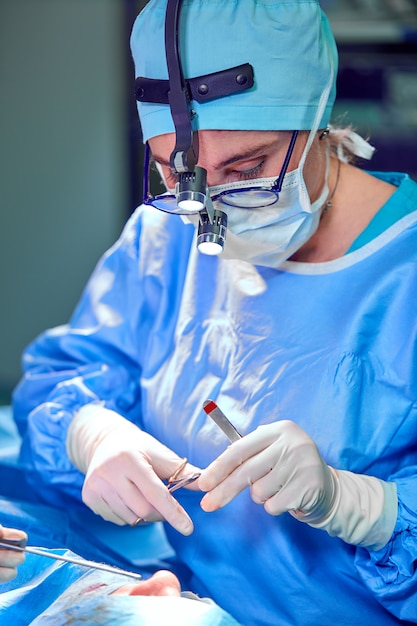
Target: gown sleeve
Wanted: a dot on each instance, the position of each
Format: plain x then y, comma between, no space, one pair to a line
96,358
391,573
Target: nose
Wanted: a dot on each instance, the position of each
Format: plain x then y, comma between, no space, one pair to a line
162,583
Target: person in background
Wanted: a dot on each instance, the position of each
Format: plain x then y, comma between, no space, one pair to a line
303,330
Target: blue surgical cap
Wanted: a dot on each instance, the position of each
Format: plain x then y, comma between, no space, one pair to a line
289,43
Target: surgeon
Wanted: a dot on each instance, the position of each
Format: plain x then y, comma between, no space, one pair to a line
302,329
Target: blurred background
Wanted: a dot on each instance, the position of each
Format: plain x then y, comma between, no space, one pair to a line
70,147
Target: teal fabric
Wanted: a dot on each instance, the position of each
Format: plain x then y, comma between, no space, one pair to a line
331,346
288,43
390,213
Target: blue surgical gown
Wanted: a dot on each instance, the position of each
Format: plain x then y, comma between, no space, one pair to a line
332,346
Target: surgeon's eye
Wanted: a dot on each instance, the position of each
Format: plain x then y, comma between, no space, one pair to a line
253,172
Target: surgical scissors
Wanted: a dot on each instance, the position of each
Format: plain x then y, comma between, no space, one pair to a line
175,483
182,482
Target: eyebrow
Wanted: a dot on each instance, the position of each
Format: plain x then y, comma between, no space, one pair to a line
251,153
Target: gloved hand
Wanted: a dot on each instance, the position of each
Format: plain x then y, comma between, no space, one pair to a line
10,559
285,472
124,468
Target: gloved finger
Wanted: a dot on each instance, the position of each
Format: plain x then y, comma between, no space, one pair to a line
236,454
110,489
157,494
106,510
113,508
10,559
248,474
279,466
7,573
123,496
12,533
266,459
164,461
309,485
275,483
167,464
144,494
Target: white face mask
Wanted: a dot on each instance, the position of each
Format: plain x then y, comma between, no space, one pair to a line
269,235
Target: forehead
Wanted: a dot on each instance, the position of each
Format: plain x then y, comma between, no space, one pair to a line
219,143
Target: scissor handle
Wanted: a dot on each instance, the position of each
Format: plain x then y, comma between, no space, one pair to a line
18,544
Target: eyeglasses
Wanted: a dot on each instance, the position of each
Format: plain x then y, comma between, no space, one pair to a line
238,194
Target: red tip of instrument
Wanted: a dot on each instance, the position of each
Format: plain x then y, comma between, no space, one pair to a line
209,406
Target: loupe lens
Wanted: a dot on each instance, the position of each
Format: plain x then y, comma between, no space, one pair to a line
250,199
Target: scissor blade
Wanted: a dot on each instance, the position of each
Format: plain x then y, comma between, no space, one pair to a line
178,483
217,415
68,559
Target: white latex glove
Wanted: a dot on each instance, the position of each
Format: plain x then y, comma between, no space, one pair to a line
124,468
10,559
285,472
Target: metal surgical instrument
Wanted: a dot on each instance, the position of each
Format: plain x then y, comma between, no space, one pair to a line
177,483
173,483
20,546
217,415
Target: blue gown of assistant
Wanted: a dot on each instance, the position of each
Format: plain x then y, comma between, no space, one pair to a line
332,346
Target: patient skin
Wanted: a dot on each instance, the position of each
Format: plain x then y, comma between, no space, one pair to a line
162,583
